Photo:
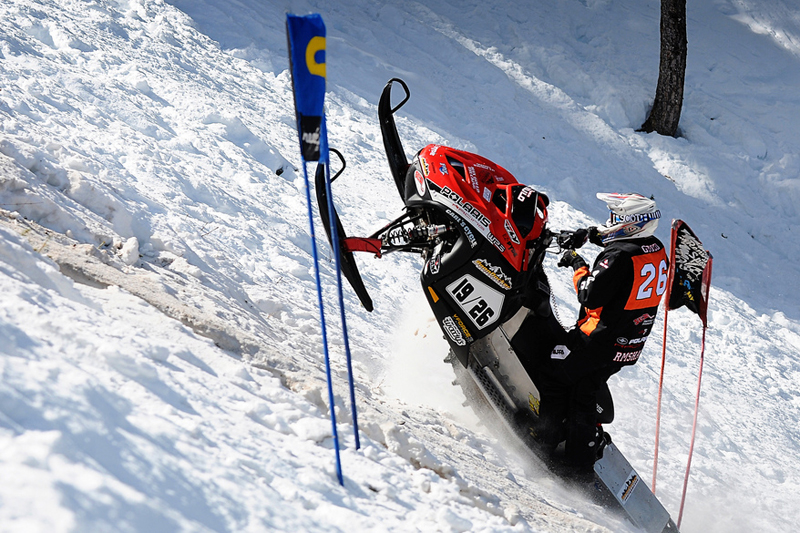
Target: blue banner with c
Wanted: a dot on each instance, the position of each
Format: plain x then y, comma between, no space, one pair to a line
306,35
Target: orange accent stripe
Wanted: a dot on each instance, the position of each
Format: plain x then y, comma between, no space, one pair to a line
433,295
590,321
576,277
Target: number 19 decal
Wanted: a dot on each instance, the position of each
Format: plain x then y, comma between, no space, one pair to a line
481,303
649,282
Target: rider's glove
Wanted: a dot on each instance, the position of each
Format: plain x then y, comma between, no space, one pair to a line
594,236
579,238
572,259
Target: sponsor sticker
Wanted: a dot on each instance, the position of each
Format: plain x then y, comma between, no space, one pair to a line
419,181
525,193
473,178
627,488
463,327
471,214
533,403
627,357
423,164
454,200
510,230
467,231
494,240
559,352
434,263
449,326
495,273
630,229
650,248
623,341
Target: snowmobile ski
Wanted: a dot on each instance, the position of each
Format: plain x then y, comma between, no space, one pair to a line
398,162
346,260
634,497
508,389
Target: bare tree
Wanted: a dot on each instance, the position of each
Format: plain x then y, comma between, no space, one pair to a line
666,112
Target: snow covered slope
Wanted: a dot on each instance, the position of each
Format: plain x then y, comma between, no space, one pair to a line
160,364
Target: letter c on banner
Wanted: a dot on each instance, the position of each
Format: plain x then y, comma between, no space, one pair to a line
315,45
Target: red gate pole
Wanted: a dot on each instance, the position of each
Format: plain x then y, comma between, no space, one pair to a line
703,312
694,428
660,390
667,294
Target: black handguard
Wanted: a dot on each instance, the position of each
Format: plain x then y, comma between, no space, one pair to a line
579,238
571,258
594,236
572,239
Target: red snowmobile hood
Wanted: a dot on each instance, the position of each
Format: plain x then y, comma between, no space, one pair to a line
507,213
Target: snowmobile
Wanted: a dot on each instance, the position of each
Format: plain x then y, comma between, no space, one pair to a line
483,237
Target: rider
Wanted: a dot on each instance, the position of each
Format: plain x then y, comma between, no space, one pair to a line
619,298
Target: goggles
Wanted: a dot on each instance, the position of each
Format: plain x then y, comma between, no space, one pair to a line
614,218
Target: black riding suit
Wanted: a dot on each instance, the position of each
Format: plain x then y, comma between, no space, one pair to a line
619,299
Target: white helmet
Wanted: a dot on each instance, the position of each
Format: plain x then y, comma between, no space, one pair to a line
631,216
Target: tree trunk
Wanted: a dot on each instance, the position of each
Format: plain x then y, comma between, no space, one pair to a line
666,112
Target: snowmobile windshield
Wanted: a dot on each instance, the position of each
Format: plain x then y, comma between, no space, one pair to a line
527,209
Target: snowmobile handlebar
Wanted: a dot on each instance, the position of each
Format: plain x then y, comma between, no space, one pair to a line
571,239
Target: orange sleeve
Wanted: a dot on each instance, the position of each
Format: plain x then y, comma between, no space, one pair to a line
590,321
578,275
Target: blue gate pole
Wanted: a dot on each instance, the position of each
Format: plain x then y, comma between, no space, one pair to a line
324,328
306,42
336,259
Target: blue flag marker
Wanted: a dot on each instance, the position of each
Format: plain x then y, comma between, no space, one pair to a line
306,36
307,59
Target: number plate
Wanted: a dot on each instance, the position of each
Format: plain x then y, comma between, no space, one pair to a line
481,303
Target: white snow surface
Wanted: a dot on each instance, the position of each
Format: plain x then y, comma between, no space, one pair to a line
161,366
